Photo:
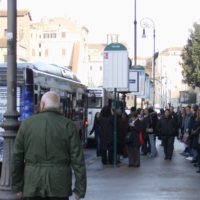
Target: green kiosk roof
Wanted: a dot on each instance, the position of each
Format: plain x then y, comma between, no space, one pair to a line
115,47
138,67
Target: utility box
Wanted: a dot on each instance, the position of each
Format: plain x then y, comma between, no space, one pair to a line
116,67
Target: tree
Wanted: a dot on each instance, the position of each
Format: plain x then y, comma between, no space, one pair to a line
191,58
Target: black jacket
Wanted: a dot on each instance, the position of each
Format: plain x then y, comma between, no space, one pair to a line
135,130
96,127
106,132
166,126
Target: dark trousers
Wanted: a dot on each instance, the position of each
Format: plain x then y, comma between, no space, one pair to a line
107,156
47,198
98,148
146,148
198,154
168,143
134,156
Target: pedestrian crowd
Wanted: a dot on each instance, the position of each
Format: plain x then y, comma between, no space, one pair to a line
48,147
189,118
138,131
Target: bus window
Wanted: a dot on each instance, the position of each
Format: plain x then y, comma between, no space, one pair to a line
29,76
33,80
80,103
94,103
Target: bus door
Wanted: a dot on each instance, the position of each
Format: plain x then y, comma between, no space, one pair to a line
66,107
94,106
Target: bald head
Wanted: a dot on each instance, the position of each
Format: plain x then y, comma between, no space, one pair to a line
50,100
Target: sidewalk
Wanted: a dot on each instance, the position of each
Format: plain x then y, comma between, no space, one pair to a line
156,179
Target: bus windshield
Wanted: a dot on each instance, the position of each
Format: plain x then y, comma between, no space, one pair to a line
95,102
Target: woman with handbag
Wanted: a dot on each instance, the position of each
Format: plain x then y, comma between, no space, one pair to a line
133,140
150,121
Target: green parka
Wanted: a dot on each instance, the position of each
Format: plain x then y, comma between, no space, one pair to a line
47,148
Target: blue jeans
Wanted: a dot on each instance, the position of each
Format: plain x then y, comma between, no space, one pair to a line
153,144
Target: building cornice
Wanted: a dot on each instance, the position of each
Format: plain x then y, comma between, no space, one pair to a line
20,13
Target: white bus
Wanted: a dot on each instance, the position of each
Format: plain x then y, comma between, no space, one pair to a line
34,79
98,97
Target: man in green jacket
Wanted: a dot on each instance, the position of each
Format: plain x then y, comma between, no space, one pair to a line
47,149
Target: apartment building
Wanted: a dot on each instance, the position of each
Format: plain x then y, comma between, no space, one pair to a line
169,79
58,40
94,69
23,33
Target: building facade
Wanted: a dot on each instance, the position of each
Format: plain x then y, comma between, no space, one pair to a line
93,76
23,35
58,40
169,79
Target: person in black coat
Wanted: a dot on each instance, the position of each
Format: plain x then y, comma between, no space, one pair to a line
149,127
167,131
97,129
106,135
120,133
133,146
175,117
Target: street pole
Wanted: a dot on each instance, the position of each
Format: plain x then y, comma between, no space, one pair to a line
135,35
149,23
154,85
115,128
135,45
11,124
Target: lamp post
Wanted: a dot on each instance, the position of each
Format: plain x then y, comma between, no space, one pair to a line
135,33
11,123
149,23
135,44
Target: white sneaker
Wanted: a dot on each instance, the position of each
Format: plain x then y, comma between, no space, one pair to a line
190,158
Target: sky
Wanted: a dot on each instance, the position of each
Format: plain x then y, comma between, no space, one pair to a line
172,19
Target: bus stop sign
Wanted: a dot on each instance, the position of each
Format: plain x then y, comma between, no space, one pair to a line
116,67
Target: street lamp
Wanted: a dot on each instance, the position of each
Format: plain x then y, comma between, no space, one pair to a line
11,122
149,23
135,44
135,33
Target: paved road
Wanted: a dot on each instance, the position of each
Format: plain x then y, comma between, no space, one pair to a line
156,179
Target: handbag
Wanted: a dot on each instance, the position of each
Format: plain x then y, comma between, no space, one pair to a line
141,138
149,130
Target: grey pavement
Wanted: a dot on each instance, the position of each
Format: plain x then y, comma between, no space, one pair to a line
156,179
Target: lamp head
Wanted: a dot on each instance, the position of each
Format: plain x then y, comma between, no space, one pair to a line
143,33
